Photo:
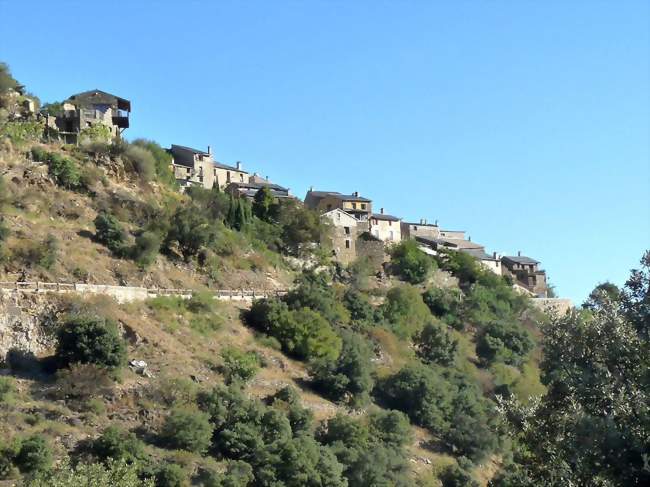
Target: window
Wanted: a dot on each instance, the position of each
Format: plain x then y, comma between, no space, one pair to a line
228,176
347,230
241,178
363,206
329,207
347,244
391,236
415,229
390,223
354,206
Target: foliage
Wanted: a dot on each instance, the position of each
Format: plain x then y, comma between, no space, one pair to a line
302,332
7,390
314,291
240,213
187,430
82,382
117,444
90,339
603,293
264,205
7,81
43,254
405,311
109,232
361,311
91,475
409,262
189,231
162,161
64,171
146,248
591,427
171,475
95,133
142,161
504,341
456,476
446,304
461,265
436,345
34,455
350,376
239,366
300,226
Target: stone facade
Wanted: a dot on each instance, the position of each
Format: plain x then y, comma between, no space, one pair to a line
193,167
526,273
353,204
422,229
343,236
385,227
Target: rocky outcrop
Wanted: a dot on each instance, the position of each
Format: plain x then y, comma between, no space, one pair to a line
26,323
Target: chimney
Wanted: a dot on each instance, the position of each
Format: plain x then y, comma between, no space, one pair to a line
469,238
519,253
381,210
239,168
311,188
436,223
494,255
355,194
421,221
209,150
425,221
267,178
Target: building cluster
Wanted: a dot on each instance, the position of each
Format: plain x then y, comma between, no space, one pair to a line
356,227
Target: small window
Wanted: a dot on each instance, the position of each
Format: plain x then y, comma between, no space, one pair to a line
363,206
354,206
241,178
347,244
228,176
347,230
329,207
415,229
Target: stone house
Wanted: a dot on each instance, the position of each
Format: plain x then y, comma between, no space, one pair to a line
353,204
193,167
385,227
422,229
250,189
343,236
491,262
526,273
91,108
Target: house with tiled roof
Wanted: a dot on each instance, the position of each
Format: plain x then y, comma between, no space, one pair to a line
249,189
385,227
353,204
526,273
195,167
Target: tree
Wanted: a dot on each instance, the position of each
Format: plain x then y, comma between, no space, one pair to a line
446,304
410,262
146,248
94,474
604,292
405,311
117,444
190,231
187,430
264,205
504,341
300,226
90,339
239,366
34,455
435,345
109,232
162,161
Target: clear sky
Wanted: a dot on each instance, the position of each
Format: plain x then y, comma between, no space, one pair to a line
526,123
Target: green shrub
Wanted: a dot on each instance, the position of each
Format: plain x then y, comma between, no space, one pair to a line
95,133
21,132
7,390
409,262
117,444
34,455
142,160
162,161
436,345
8,452
445,304
43,254
504,341
187,429
405,311
189,231
239,366
171,475
455,476
109,232
65,172
146,248
114,474
90,340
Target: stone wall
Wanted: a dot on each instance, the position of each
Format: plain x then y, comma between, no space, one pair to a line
559,306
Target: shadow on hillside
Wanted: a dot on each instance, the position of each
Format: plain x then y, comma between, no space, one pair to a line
86,234
25,365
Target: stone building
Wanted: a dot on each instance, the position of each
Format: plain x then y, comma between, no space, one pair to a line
385,227
526,273
193,167
250,189
491,262
353,204
91,108
422,229
343,236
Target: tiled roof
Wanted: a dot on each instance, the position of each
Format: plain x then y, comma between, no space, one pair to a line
478,253
220,165
258,186
520,259
189,149
336,194
384,216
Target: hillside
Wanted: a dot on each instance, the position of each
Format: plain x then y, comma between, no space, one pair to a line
362,375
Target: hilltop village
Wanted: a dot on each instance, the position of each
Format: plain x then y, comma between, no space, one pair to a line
358,229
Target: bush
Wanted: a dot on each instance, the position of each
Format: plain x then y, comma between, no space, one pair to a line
7,390
109,232
171,475
409,262
117,444
445,304
361,311
34,455
504,341
455,476
162,161
96,475
435,345
64,171
82,382
186,429
90,340
43,254
239,366
146,248
7,454
405,311
189,231
142,160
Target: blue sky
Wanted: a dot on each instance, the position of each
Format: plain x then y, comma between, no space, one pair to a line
525,123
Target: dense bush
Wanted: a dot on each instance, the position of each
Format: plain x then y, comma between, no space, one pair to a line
239,366
348,378
314,291
504,341
186,429
189,231
404,310
171,475
303,333
114,474
109,232
42,254
34,455
90,339
446,304
65,172
264,205
117,444
409,262
456,476
161,161
461,265
361,311
436,345
146,248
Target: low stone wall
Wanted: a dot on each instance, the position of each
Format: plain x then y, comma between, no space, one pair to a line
560,306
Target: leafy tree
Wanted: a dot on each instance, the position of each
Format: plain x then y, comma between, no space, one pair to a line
7,81
300,226
117,444
435,345
109,232
264,205
90,340
405,311
410,262
239,366
604,292
390,427
171,475
456,476
187,430
34,455
239,214
358,304
591,427
504,341
146,248
162,161
314,291
190,231
95,475
461,265
64,171
350,376
445,304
